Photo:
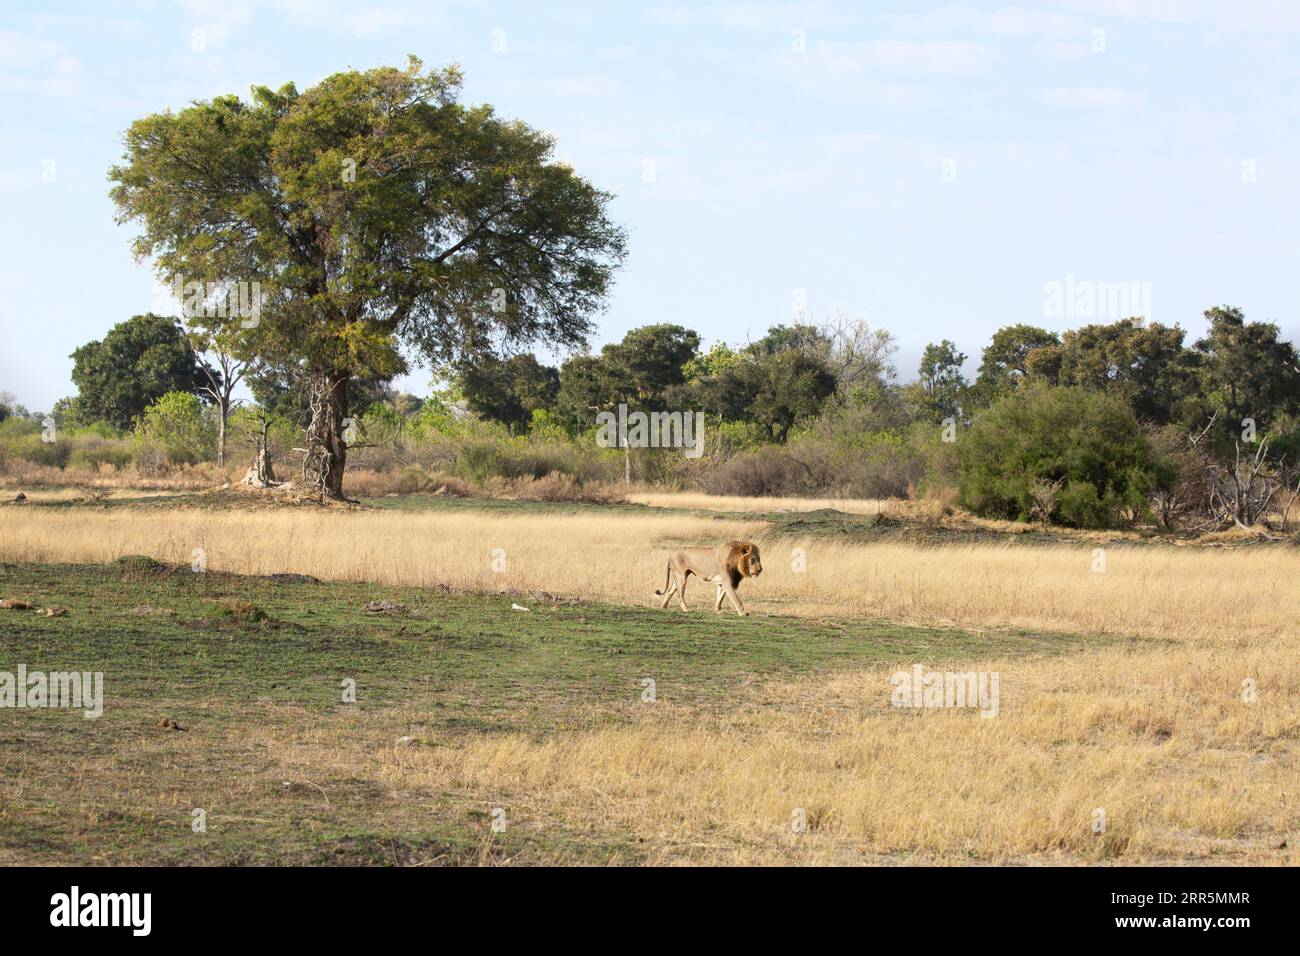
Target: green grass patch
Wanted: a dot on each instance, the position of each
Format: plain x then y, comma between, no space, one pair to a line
221,655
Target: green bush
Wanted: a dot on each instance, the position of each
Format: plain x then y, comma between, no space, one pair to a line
22,438
475,449
91,451
433,420
478,459
175,427
82,447
15,427
1087,441
381,424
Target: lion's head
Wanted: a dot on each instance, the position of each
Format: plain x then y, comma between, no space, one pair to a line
744,557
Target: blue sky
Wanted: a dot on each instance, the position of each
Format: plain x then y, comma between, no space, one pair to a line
927,167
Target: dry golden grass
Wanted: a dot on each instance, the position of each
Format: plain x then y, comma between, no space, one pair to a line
703,502
83,492
1155,733
25,475
1162,743
1184,593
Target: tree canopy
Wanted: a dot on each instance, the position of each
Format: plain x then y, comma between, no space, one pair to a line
941,385
641,368
374,211
1004,363
134,365
1249,372
1145,363
508,390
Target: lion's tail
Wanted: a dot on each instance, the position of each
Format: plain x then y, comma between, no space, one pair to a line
668,579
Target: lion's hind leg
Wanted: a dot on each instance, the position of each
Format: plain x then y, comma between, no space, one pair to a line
670,585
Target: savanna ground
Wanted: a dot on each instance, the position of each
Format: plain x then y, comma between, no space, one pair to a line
1125,672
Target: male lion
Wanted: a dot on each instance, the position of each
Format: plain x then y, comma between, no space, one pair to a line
723,566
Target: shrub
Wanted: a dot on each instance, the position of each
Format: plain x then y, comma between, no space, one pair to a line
1044,497
435,418
90,452
1079,504
1087,442
478,460
175,429
18,426
560,487
32,448
883,465
768,471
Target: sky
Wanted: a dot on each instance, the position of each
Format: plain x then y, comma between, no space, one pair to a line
939,170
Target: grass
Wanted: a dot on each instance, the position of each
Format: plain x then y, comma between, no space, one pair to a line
444,668
443,503
824,566
691,501
446,638
1124,673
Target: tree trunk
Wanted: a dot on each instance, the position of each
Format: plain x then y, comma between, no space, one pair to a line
261,475
223,414
327,450
265,473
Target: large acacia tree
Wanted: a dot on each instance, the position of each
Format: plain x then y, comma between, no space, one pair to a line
377,212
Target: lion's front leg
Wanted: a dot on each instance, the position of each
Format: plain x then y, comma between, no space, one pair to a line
735,600
717,606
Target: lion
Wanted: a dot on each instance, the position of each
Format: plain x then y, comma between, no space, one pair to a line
724,566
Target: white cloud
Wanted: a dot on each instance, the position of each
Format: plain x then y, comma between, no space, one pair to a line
586,84
752,16
902,151
1091,97
1002,22
98,27
31,64
960,57
833,77
1229,17
344,18
217,19
1070,50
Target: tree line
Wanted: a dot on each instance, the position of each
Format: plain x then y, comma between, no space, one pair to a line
1095,426
374,218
